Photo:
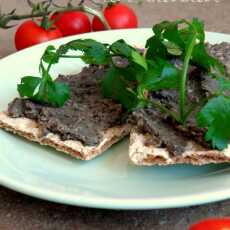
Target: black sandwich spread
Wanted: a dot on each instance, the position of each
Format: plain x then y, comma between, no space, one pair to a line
84,117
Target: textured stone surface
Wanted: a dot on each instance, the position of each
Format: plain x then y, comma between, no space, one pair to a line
20,212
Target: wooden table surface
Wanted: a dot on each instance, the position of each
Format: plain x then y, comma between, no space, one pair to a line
21,212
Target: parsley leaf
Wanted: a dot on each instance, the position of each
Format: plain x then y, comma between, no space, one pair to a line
172,48
28,86
121,48
186,41
50,55
215,116
56,93
198,25
161,75
173,39
116,87
165,41
93,52
155,48
223,85
44,90
201,57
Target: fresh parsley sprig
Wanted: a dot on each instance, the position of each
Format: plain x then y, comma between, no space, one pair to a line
186,41
215,115
45,90
130,84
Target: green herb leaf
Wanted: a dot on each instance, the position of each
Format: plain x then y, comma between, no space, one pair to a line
28,86
133,72
174,38
165,41
223,84
184,40
198,25
93,52
172,48
212,65
116,87
215,116
161,75
50,55
155,48
57,93
121,48
44,90
169,31
139,59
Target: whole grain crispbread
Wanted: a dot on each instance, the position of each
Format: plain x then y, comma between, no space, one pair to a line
142,153
30,130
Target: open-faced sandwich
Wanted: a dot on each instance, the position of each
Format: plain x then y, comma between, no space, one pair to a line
174,97
159,138
84,126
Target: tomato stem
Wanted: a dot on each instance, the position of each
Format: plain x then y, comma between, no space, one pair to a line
6,18
97,13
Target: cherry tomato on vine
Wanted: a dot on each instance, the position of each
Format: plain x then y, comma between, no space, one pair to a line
72,22
29,33
119,16
212,224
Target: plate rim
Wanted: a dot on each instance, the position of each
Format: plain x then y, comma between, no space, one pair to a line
116,203
111,203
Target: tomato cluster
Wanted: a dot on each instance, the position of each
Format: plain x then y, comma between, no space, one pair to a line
118,16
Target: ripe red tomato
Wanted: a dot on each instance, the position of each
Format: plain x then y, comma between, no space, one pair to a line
72,22
29,33
119,16
212,224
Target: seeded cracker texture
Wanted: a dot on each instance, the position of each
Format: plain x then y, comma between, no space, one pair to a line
30,130
142,154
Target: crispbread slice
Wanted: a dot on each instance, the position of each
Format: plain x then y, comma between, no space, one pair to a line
141,153
30,130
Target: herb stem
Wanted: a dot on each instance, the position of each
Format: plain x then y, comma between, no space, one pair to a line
63,56
182,86
71,56
164,109
49,67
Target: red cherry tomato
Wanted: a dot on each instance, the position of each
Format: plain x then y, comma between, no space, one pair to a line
29,33
72,22
212,224
119,16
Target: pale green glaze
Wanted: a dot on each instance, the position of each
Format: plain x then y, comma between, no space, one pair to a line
110,181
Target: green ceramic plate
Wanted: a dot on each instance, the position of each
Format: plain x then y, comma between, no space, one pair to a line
110,181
